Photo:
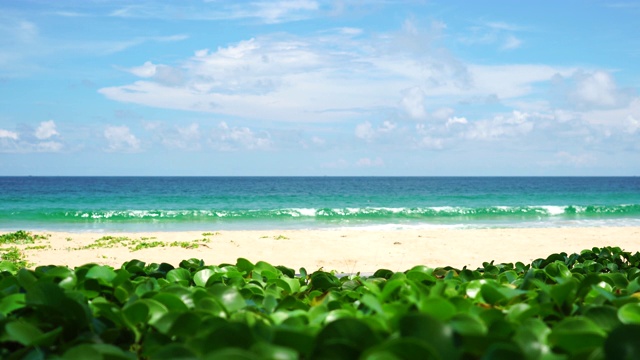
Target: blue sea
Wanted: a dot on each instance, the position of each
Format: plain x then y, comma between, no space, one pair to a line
245,203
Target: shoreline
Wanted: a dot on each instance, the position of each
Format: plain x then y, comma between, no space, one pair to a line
342,250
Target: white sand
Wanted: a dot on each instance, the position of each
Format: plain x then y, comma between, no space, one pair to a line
341,250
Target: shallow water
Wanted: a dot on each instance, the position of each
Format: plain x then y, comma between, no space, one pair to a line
201,203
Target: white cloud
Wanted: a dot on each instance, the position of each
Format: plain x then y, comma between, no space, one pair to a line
511,42
624,119
442,113
456,120
632,125
278,11
426,139
429,142
368,162
120,139
228,138
146,70
282,77
6,134
185,138
48,146
318,140
413,103
514,124
597,88
367,132
164,74
269,12
11,142
46,129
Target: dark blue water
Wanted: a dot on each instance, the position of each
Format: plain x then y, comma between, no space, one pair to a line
201,203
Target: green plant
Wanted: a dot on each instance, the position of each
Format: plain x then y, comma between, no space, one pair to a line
20,237
15,256
564,306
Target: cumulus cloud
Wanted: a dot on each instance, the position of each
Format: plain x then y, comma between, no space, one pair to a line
25,142
367,132
46,129
452,121
413,103
120,139
185,138
317,141
516,123
589,90
325,77
6,134
163,74
597,88
427,139
233,138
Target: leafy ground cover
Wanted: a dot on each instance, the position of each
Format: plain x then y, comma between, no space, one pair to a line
577,306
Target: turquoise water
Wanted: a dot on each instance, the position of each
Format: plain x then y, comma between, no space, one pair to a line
214,203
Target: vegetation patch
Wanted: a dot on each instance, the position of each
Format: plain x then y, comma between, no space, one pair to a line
20,237
14,256
578,306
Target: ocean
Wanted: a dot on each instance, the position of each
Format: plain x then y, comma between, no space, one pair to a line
254,203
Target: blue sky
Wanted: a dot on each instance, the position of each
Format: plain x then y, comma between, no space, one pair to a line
304,87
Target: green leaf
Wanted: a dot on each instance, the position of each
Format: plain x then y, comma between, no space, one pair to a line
156,309
491,294
349,331
372,303
403,348
606,317
576,335
324,281
629,313
432,331
244,265
23,332
229,297
174,351
201,277
179,275
298,340
383,273
558,271
440,308
231,354
104,274
11,302
171,301
97,351
136,313
269,351
623,343
468,325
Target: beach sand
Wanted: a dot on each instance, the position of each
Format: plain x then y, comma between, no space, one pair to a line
345,250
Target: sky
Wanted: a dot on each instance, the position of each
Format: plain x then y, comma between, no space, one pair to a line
320,88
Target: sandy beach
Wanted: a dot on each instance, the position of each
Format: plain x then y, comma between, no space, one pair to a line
348,250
